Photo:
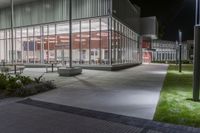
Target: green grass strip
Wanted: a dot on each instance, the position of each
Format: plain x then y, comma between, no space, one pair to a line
174,106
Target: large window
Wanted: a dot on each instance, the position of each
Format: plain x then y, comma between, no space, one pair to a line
62,47
76,42
104,35
85,42
94,42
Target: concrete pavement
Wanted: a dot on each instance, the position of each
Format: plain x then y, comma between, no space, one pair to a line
30,116
116,97
131,92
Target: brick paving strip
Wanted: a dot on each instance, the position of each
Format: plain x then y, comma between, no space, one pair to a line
125,123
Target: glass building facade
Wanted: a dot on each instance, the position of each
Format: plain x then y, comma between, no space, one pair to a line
41,34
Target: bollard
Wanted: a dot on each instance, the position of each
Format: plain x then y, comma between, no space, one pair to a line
52,67
15,69
196,75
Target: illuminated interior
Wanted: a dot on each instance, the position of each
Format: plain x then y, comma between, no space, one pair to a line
95,41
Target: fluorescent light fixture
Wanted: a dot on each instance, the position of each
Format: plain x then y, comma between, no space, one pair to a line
78,40
83,36
53,41
102,34
64,41
64,37
95,39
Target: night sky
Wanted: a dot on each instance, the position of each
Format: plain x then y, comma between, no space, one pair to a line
172,15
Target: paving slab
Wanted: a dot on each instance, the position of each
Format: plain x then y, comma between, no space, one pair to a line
131,92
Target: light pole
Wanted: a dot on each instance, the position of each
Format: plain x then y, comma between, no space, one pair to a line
196,75
176,53
180,51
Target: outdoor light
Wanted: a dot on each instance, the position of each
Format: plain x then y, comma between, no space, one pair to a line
176,52
180,51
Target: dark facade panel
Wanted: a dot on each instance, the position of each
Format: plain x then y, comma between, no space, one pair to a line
149,27
127,13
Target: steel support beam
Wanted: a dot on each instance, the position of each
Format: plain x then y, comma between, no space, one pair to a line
12,31
70,33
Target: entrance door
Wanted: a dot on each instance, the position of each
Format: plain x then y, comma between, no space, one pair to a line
147,57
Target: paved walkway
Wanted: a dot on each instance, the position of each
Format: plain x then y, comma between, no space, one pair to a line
30,116
132,92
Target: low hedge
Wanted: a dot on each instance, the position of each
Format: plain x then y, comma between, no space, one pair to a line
22,86
173,62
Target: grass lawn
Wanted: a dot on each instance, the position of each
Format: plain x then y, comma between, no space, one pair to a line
174,106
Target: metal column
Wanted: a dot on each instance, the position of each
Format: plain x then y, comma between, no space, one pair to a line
70,33
12,31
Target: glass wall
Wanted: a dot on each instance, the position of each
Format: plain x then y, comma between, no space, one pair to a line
95,41
125,44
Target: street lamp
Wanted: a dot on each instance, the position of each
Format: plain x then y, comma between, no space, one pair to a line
180,51
196,75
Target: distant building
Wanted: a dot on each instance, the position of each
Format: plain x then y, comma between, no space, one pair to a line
162,51
190,48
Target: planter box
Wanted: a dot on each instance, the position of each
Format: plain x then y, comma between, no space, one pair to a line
68,72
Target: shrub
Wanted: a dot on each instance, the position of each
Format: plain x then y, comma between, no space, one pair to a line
3,81
22,86
24,80
39,79
12,85
26,90
34,88
162,62
172,62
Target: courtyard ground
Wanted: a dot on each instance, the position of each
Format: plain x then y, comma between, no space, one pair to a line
132,92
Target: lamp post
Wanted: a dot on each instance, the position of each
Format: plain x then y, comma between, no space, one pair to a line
180,51
196,75
176,53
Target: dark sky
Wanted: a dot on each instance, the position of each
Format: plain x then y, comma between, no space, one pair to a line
172,15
